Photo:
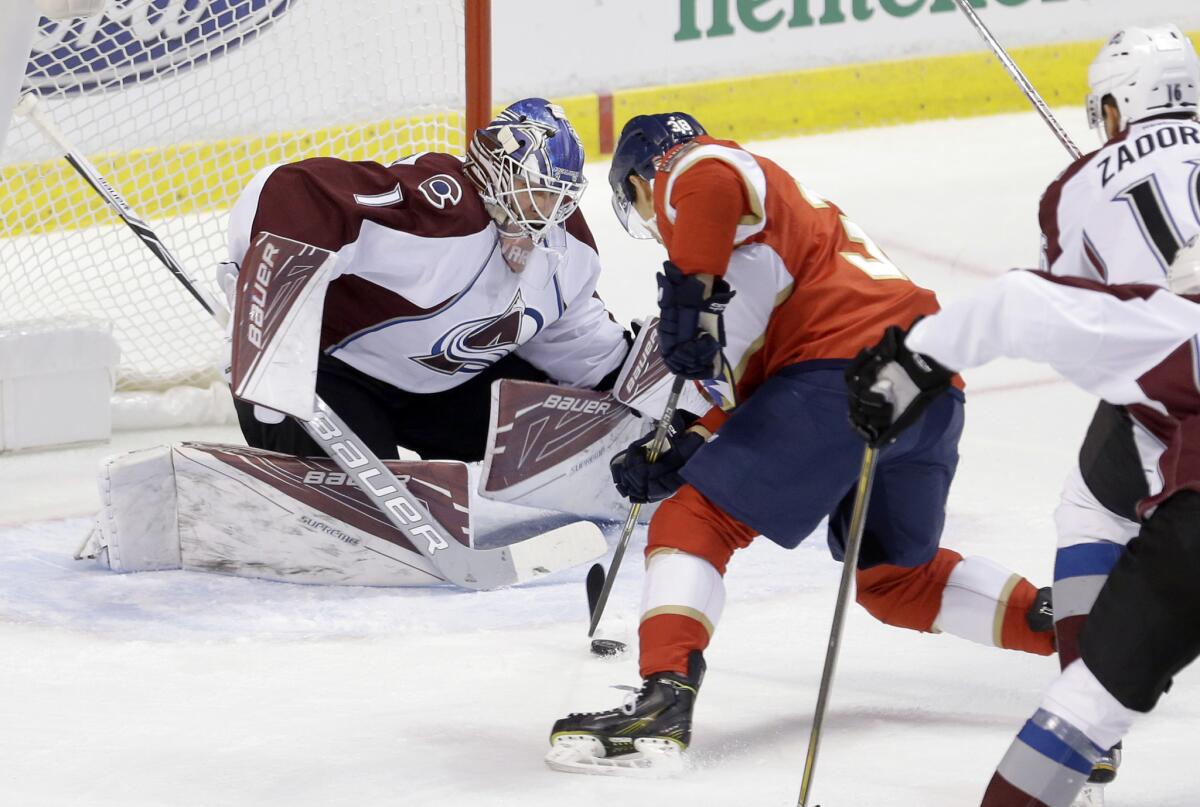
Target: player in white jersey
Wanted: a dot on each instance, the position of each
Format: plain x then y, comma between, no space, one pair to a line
449,274
1134,345
1123,214
1119,215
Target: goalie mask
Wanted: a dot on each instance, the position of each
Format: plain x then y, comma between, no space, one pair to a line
1148,72
643,140
527,164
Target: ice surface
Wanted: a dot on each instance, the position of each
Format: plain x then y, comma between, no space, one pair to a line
188,689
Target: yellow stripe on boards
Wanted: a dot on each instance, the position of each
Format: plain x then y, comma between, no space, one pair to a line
45,197
874,94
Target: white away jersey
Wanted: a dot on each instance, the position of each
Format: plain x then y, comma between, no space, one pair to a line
1132,344
421,297
1120,214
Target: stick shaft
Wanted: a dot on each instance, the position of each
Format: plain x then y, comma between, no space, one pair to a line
29,108
858,517
1019,77
660,437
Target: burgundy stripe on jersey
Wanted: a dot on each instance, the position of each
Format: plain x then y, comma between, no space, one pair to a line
1122,291
577,226
353,304
319,201
1094,258
1173,382
1048,208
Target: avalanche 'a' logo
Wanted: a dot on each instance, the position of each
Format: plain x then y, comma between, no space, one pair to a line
474,346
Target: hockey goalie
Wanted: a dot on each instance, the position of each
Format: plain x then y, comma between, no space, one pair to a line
439,306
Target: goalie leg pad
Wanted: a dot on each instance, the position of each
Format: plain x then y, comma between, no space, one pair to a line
254,513
137,529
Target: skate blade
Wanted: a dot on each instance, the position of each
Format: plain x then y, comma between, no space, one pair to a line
655,758
1092,795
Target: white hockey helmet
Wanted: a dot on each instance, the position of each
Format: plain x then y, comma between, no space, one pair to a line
1148,71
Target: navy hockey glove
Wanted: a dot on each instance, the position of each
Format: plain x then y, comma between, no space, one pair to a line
691,328
890,386
642,481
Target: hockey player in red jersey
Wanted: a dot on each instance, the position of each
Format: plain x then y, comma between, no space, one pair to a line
768,292
450,274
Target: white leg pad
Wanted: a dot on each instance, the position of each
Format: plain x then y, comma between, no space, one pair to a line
975,599
251,513
681,583
138,522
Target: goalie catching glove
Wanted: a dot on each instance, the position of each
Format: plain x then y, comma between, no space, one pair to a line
890,386
643,480
691,327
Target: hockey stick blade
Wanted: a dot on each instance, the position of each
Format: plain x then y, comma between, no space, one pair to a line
595,581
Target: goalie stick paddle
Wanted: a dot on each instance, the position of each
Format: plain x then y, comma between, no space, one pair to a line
858,518
660,436
469,568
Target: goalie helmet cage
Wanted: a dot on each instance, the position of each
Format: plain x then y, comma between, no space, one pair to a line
179,103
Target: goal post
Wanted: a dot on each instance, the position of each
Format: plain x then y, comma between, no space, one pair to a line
179,103
479,63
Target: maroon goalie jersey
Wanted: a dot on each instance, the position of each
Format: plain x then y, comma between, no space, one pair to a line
421,297
1131,344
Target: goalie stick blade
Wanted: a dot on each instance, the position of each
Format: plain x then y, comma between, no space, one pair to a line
553,551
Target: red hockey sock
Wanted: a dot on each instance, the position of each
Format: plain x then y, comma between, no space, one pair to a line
666,641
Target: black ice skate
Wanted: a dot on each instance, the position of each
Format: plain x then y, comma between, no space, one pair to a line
1040,616
1105,769
645,736
1103,772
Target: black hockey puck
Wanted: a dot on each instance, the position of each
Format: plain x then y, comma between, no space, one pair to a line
607,647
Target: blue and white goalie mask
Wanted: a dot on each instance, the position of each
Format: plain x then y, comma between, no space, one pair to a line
527,165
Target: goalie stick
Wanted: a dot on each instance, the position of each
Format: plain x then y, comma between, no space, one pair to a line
469,568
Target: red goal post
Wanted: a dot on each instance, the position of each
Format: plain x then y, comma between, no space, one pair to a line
179,103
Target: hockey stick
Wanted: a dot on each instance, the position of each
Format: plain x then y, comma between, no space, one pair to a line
29,108
858,518
660,436
459,564
1019,77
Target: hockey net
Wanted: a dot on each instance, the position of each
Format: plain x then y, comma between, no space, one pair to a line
179,103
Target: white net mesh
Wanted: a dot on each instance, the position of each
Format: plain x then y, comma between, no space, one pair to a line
178,103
